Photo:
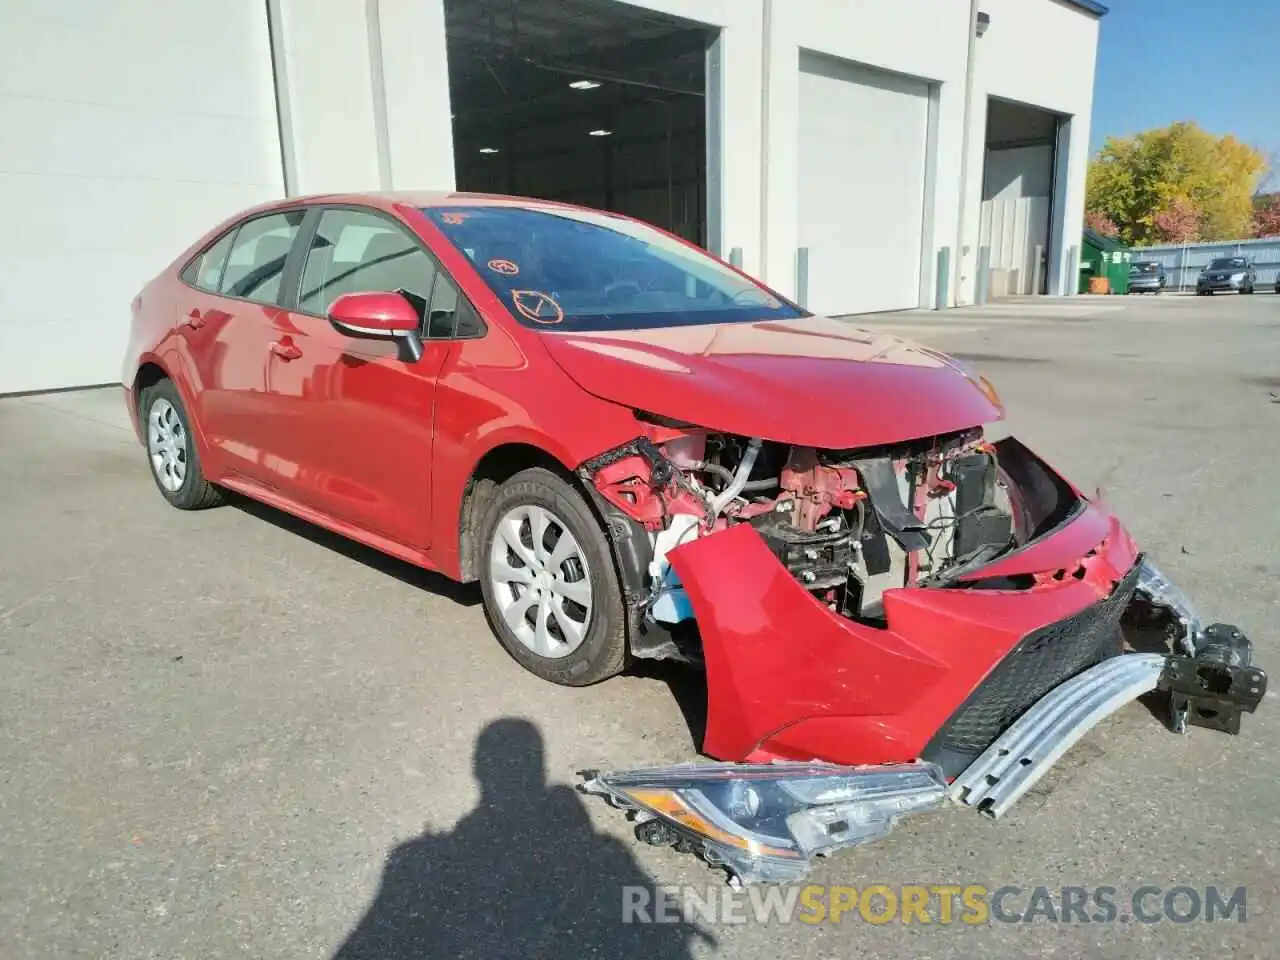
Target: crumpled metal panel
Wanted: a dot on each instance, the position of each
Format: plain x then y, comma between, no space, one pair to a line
1026,751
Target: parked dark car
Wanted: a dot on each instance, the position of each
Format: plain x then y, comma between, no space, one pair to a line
1228,275
1147,276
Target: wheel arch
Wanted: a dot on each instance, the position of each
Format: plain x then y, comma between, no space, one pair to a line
151,370
498,464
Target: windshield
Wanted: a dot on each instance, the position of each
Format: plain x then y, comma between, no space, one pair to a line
573,269
1145,266
1229,263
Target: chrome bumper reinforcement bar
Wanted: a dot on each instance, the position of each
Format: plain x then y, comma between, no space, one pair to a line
1024,753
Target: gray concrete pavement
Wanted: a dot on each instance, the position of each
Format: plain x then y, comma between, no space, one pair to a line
217,730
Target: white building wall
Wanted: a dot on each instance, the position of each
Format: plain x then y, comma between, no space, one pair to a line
127,129
873,33
1041,53
363,87
1037,52
365,103
175,98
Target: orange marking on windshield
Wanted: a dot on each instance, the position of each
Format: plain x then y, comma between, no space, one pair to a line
534,311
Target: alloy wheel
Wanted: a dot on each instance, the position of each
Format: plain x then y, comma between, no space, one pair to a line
167,445
540,581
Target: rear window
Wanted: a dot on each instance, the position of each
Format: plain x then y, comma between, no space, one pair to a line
570,269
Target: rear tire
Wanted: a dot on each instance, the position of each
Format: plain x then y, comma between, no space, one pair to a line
554,603
171,449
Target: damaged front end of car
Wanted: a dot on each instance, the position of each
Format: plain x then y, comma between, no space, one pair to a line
884,630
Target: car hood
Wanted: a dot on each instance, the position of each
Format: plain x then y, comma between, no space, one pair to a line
810,382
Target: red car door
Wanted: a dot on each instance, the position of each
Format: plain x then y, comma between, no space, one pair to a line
225,328
351,421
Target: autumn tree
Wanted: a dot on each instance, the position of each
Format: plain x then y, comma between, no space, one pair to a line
1176,182
1178,222
1266,216
1101,224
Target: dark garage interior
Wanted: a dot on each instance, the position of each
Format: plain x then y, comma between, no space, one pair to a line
601,104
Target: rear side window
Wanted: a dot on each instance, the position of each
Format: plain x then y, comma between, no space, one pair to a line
205,271
358,252
259,251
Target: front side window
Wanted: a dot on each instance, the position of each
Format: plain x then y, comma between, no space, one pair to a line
358,252
569,269
258,254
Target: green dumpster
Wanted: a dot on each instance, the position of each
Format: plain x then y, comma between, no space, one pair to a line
1103,257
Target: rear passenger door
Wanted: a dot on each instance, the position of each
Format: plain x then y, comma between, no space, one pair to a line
353,419
226,330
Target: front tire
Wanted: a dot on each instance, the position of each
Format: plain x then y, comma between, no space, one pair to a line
171,449
550,588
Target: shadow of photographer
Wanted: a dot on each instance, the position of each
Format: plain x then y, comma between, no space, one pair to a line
521,875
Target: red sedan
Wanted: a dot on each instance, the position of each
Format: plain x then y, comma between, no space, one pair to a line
641,452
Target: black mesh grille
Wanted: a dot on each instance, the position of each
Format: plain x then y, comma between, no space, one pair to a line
1040,661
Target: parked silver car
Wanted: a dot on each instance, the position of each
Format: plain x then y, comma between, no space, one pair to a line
1226,275
1146,276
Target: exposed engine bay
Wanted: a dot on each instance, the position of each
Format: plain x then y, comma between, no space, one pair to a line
884,630
847,524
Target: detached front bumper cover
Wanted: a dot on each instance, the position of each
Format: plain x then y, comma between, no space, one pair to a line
765,822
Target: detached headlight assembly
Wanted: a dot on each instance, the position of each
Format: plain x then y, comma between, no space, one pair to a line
763,822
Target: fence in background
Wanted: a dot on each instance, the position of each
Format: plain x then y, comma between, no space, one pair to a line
1183,262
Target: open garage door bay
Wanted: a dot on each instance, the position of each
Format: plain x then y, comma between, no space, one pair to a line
126,131
601,104
863,135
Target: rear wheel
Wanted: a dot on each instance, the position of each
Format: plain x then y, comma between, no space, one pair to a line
550,589
171,449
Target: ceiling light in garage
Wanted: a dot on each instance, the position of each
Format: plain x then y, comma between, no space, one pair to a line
600,133
488,150
584,85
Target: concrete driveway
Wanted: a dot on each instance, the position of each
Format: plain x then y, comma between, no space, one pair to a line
227,734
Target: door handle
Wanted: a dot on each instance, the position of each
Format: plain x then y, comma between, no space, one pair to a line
285,349
194,320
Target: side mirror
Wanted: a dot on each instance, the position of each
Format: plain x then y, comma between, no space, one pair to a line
378,316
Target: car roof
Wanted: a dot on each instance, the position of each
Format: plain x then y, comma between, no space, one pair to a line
388,199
